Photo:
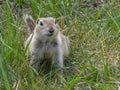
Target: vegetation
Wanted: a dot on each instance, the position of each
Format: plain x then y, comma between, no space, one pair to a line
94,61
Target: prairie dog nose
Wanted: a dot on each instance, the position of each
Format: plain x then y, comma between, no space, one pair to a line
51,30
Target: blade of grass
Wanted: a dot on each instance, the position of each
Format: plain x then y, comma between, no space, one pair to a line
109,14
7,85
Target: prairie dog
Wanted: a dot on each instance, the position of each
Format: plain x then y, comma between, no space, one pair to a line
46,41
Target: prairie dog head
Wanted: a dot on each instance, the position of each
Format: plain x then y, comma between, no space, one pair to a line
46,27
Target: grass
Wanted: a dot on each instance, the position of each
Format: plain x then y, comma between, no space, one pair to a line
94,61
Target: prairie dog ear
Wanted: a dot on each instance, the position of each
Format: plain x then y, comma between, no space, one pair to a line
29,22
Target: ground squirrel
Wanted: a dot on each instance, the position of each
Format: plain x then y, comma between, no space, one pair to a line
46,41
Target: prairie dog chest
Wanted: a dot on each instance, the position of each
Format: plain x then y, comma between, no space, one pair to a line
50,47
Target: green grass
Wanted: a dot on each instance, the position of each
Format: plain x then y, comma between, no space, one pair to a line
94,61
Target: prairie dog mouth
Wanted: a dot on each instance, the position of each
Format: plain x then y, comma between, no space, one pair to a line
51,34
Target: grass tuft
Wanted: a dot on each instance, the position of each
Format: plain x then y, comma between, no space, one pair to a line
94,61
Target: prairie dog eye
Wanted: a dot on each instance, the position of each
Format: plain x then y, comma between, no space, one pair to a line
55,22
41,23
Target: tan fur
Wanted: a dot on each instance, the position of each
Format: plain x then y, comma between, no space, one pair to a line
46,42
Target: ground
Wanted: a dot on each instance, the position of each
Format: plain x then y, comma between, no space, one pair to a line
94,32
